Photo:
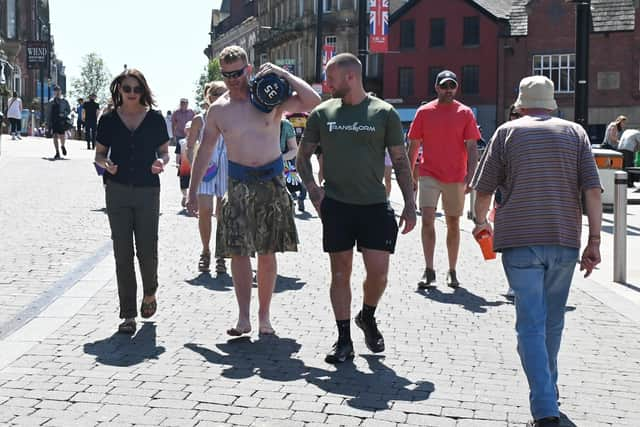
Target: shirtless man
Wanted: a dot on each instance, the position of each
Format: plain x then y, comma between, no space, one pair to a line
257,213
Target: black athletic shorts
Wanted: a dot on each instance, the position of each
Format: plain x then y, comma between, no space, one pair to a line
368,226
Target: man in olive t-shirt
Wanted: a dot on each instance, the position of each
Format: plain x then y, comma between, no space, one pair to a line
354,130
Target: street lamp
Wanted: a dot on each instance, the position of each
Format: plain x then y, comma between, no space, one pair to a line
581,101
45,34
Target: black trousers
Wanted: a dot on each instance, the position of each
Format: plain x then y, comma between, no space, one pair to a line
16,125
628,159
134,214
90,129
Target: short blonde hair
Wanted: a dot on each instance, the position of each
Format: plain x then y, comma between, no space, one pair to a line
232,53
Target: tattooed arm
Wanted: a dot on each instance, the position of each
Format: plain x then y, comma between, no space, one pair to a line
303,165
404,178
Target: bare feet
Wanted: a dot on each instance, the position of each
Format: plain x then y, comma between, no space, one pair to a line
265,328
241,328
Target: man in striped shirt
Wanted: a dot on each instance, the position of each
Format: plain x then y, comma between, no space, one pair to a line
542,164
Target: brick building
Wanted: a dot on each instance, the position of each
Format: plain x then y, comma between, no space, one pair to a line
233,24
428,36
542,41
24,20
491,45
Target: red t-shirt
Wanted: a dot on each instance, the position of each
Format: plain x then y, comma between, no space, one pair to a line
443,129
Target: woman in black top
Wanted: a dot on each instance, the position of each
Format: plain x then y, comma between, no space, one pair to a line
133,147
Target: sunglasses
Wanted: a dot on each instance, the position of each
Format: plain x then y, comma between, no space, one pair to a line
448,85
139,90
217,94
233,74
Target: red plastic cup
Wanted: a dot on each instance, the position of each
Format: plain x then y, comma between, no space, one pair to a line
485,240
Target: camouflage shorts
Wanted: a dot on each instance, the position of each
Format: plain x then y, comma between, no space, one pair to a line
256,217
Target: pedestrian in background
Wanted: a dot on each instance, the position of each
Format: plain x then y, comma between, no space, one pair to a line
214,183
80,118
629,145
183,164
179,119
138,144
613,132
167,120
59,121
289,149
355,130
90,111
538,226
448,133
14,114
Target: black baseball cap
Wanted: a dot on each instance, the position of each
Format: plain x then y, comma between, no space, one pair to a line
446,75
56,87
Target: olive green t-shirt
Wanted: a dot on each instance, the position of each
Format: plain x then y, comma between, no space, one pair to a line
354,139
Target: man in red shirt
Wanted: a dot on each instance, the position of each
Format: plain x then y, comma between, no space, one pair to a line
447,131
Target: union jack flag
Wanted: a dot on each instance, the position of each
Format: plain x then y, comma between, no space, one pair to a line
378,25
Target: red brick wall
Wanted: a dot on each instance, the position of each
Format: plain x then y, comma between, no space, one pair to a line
453,56
615,51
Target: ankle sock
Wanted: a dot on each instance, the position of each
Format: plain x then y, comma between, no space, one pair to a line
368,312
344,330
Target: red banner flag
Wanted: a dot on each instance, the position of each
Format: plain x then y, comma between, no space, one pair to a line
378,26
328,52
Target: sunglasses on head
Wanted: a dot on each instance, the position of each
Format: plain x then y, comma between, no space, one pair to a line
136,89
233,74
448,85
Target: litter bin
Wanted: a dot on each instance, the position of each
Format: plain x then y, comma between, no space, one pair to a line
608,161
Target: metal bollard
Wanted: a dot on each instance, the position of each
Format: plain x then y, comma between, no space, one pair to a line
620,228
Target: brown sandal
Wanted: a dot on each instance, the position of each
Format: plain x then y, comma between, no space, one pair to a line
148,309
205,261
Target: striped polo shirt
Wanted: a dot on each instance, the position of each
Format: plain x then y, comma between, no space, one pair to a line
541,164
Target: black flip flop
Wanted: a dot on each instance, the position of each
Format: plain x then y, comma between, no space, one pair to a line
127,327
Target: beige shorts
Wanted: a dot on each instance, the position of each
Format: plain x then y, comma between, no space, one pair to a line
452,195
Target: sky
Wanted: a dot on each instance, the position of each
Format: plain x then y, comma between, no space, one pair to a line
162,38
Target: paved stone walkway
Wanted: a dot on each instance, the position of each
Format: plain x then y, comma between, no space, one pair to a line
450,358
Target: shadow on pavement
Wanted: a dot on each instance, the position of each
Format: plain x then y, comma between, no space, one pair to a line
565,421
304,215
123,350
272,358
369,390
468,300
284,283
221,282
269,357
51,159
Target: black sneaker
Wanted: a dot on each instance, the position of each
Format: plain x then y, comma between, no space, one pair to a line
57,156
545,422
452,279
372,336
428,277
340,352
64,150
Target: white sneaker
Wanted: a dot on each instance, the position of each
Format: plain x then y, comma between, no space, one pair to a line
13,137
18,136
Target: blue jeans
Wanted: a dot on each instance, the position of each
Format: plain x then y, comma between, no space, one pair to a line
540,277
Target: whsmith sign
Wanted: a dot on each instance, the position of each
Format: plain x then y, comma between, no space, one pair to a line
37,54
